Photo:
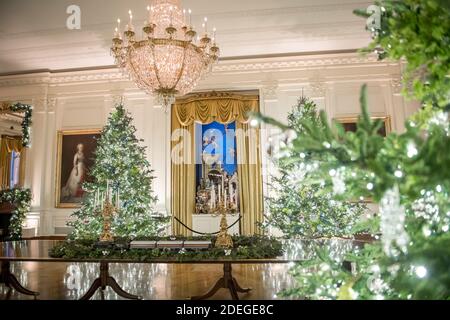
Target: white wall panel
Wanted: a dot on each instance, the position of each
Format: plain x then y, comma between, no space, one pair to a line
83,99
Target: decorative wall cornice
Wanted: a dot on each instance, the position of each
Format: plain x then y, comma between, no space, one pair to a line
295,63
229,67
25,79
112,74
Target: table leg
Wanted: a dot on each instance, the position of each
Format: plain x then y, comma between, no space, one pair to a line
11,282
105,280
227,282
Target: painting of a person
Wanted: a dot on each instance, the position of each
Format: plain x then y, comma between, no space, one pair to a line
73,187
75,158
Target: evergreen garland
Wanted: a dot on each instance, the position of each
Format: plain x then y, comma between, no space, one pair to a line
245,247
21,200
26,123
121,160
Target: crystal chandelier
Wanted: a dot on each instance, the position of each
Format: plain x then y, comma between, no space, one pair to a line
171,58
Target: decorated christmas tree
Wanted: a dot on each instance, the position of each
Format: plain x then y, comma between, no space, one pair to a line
407,174
301,210
120,166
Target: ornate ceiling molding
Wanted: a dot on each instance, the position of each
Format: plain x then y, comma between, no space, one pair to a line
25,79
295,63
112,74
229,67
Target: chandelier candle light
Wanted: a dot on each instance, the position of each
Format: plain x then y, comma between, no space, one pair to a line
170,59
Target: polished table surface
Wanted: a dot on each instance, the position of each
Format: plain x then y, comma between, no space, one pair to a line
38,251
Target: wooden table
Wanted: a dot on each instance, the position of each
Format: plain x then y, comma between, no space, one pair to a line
38,251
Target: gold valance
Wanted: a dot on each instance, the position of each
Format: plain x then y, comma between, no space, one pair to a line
10,144
219,107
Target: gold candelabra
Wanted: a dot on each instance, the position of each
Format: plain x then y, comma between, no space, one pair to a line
107,213
223,240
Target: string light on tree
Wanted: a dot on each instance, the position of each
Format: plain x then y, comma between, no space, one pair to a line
120,164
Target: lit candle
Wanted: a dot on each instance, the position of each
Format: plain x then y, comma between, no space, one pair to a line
118,198
107,191
117,33
171,15
206,25
225,197
184,17
223,184
214,35
147,22
211,201
231,193
130,24
190,17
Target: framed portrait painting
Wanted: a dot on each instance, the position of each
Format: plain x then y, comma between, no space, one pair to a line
349,124
75,157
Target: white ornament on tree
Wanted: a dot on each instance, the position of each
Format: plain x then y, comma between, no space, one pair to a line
393,223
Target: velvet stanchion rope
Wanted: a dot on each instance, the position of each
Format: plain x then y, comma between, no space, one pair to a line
205,233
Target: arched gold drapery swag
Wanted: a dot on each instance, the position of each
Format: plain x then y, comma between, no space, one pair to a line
223,108
8,145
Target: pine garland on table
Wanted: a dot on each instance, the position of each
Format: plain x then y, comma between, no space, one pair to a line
245,247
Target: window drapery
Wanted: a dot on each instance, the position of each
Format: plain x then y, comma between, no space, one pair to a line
223,108
8,145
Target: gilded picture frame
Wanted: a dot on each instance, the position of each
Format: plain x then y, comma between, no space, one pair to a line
74,159
349,123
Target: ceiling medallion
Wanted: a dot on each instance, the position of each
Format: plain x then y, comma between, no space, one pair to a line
170,59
